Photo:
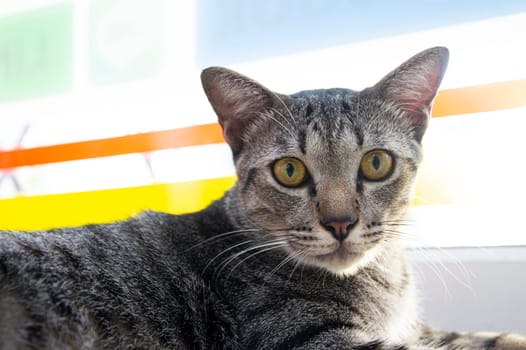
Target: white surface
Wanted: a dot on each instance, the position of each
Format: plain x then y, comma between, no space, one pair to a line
473,289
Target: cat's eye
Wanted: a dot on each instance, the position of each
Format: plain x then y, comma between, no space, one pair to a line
289,172
376,165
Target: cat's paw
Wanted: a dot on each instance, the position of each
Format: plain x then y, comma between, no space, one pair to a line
510,342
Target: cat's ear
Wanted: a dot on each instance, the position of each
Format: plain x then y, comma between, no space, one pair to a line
414,84
237,101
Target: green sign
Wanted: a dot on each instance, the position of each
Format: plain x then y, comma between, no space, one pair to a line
125,40
35,52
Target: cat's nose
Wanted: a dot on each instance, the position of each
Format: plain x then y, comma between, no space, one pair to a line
339,228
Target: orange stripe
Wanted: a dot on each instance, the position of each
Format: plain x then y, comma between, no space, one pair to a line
481,98
139,143
474,99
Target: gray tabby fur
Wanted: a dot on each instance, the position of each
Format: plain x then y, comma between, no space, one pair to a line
257,269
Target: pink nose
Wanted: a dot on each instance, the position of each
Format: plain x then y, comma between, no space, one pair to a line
339,229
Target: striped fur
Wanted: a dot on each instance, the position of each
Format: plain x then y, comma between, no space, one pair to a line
259,268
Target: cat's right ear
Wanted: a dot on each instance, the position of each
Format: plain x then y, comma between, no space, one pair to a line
414,85
237,101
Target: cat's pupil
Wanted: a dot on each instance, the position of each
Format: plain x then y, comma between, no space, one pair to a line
290,169
376,162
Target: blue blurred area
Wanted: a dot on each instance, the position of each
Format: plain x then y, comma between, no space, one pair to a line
232,31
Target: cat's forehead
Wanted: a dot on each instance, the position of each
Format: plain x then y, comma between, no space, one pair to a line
325,94
328,98
340,121
330,114
325,111
327,125
333,112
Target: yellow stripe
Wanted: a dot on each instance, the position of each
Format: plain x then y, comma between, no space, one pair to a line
74,209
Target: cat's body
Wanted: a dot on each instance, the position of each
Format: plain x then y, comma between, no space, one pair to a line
302,253
145,283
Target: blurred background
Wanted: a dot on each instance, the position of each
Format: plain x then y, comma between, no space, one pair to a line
82,80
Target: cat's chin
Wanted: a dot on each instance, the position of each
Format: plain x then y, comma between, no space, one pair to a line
343,262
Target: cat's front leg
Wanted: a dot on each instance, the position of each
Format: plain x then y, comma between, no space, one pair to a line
339,344
472,341
489,341
348,339
510,342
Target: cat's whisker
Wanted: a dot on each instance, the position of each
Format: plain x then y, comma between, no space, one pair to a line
224,252
463,268
435,260
229,234
259,250
398,223
281,264
221,237
284,118
278,243
322,275
319,275
284,106
251,256
433,265
457,261
405,219
393,233
299,260
424,245
269,230
285,128
291,134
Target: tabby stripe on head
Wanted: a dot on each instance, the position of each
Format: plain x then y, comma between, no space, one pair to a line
312,190
249,179
308,110
359,185
237,152
316,128
359,136
302,142
345,107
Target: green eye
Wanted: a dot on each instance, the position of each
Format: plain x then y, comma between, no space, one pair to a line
289,172
376,165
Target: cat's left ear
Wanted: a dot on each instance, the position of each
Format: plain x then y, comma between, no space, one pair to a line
237,101
414,84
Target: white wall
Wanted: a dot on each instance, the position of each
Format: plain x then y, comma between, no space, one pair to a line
472,289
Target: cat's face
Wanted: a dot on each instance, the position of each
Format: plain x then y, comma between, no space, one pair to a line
327,173
334,176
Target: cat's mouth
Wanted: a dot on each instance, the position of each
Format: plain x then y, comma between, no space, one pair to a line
341,258
341,253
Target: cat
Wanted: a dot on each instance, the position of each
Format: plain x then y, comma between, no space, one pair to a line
302,253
